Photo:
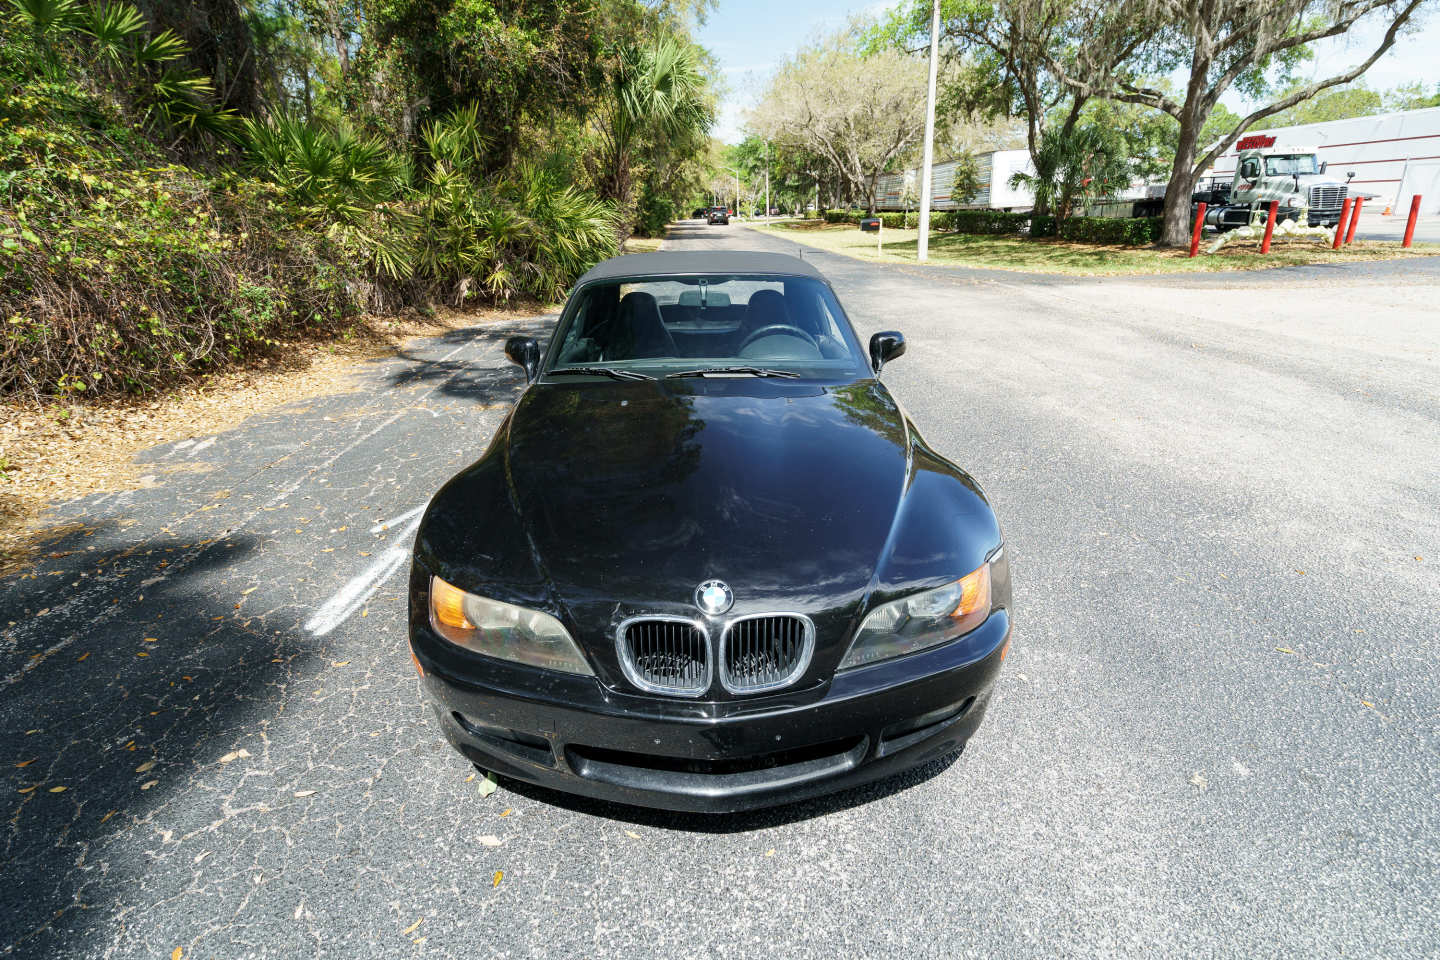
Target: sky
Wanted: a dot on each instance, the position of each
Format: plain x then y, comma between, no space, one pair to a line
748,38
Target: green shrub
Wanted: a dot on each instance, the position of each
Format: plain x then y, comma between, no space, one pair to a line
992,222
1042,225
654,213
1127,231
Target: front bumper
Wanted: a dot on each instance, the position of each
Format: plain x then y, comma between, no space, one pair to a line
575,735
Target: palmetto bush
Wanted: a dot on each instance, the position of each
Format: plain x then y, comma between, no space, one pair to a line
122,270
452,231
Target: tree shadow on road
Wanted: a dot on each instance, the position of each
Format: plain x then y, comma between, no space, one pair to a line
484,376
142,677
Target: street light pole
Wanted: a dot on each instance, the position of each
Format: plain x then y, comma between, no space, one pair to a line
767,179
923,248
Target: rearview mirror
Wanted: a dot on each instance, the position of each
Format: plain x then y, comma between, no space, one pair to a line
1324,165
884,347
524,352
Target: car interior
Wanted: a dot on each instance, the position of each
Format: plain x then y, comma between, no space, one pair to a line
753,320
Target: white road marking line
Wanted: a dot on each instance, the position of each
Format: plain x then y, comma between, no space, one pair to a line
348,600
101,586
382,527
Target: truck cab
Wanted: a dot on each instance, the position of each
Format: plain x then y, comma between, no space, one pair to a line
1294,176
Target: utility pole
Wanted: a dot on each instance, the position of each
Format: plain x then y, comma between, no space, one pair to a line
767,179
923,248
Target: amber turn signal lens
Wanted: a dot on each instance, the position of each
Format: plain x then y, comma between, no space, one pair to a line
974,593
447,605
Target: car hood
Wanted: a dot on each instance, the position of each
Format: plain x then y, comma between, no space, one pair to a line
634,493
601,500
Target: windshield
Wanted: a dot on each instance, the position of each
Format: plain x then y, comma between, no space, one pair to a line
1284,166
670,325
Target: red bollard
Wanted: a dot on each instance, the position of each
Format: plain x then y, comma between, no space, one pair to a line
1199,228
1354,219
1410,224
1340,227
1269,226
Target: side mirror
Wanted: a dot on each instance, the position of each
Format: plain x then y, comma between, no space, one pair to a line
524,352
1324,165
884,347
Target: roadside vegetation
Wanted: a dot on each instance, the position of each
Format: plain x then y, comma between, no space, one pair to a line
1008,251
166,211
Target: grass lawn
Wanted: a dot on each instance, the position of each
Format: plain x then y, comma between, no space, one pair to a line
1083,259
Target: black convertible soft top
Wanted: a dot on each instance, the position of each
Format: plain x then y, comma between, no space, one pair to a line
702,263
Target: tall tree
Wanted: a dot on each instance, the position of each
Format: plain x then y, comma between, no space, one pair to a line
657,95
1220,44
861,114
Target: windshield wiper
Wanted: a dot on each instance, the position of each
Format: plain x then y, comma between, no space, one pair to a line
615,373
749,371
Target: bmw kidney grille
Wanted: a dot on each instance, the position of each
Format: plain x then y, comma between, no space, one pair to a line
672,655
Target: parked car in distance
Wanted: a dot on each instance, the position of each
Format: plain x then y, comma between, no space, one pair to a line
707,563
699,213
719,215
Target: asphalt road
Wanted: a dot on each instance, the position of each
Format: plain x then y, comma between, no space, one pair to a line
1216,734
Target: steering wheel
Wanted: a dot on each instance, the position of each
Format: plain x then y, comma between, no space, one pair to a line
771,329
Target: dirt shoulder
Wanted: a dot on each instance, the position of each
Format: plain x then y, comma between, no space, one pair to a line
55,452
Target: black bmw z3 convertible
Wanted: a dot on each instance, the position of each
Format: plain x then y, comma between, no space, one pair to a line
707,563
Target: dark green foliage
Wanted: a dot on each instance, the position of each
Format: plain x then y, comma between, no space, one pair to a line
516,58
992,222
654,214
147,233
1124,231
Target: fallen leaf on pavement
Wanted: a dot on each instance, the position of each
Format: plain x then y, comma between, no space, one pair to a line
148,784
25,763
1284,650
302,794
632,834
1197,779
488,785
29,789
177,953
81,658
246,593
770,852
229,757
469,778
505,812
412,928
498,874
58,789
490,840
108,815
340,663
147,765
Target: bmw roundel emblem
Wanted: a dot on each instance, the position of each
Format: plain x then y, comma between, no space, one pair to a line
713,597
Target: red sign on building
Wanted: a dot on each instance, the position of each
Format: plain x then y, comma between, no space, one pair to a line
1255,142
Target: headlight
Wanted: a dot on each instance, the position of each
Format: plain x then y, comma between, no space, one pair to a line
503,630
931,617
